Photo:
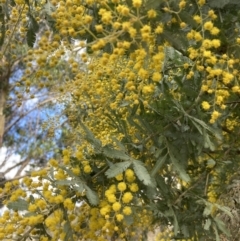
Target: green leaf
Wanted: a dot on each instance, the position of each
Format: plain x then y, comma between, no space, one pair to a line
224,209
68,231
208,143
90,137
66,182
153,4
221,226
211,163
208,209
206,127
49,7
218,3
32,30
79,186
234,2
158,165
185,231
207,224
33,23
67,170
128,219
115,154
76,182
177,165
31,198
92,196
187,18
169,53
51,173
198,127
216,233
162,185
142,172
30,214
19,205
31,37
129,3
117,168
176,40
196,121
119,144
175,221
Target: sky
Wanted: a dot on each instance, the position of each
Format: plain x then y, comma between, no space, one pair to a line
11,160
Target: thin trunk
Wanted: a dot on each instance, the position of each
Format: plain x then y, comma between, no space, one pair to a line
3,96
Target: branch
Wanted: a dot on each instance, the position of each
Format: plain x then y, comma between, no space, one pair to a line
190,188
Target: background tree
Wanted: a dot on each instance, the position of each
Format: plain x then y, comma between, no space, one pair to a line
153,122
26,110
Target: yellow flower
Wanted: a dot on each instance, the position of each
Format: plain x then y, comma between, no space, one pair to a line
207,54
205,105
156,77
105,210
58,199
219,100
130,175
182,4
148,89
99,28
236,89
113,188
207,43
214,116
32,207
211,14
116,206
190,35
132,31
134,187
33,220
68,204
127,210
197,36
227,78
87,169
201,2
53,162
106,17
122,186
152,13
216,43
137,3
214,31
159,29
76,170
119,217
183,25
111,198
127,197
41,203
208,25
119,177
197,18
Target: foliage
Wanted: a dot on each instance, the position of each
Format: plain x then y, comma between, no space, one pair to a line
151,92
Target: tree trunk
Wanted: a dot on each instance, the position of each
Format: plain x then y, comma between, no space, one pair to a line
3,95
